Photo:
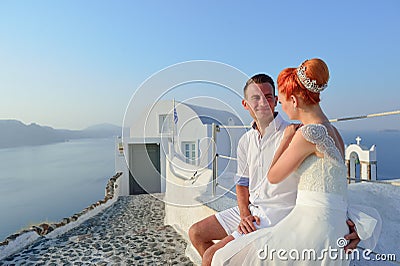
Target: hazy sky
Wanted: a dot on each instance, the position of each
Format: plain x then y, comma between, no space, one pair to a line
72,64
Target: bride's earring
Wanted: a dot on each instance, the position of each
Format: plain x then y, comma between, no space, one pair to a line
294,103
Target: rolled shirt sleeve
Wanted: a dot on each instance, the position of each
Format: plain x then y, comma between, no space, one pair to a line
242,174
242,181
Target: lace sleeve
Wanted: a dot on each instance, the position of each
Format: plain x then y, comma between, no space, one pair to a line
318,134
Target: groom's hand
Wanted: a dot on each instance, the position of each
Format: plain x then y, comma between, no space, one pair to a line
352,236
246,225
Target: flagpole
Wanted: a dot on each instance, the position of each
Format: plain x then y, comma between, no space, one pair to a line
173,123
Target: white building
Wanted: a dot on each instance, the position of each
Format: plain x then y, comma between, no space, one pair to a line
366,158
158,135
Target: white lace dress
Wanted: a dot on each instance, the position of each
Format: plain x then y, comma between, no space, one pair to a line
312,234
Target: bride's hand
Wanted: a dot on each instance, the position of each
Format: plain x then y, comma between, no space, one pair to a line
286,139
246,225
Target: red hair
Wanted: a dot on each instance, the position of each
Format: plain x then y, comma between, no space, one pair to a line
289,83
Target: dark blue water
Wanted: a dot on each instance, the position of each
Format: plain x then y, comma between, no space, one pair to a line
50,182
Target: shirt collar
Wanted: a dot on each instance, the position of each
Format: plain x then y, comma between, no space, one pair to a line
273,126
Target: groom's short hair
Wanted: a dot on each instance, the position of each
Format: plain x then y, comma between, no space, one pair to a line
259,79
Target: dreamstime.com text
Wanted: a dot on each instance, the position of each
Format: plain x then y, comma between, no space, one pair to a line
329,253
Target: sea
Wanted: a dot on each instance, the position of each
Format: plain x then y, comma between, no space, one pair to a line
50,182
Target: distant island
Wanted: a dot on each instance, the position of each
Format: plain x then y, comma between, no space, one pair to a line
14,133
390,130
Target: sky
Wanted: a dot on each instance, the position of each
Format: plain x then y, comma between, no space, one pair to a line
72,64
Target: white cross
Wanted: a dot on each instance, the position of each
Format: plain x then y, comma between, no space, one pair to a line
358,139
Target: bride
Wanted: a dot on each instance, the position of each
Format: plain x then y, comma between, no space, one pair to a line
312,234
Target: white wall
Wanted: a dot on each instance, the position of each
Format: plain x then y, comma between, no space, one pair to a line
121,166
189,125
188,129
185,200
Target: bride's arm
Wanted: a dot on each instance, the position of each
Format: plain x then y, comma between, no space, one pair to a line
289,156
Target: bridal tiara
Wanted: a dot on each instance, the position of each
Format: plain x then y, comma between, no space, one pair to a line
310,85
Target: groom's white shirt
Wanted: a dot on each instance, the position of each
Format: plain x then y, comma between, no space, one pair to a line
271,202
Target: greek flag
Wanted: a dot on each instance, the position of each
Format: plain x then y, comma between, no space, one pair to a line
175,115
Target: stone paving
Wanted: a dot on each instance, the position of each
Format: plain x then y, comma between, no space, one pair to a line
131,232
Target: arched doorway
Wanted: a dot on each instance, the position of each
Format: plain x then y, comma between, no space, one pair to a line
354,168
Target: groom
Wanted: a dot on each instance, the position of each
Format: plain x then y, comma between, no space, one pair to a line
260,204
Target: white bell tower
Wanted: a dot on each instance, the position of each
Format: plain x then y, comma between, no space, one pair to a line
366,158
